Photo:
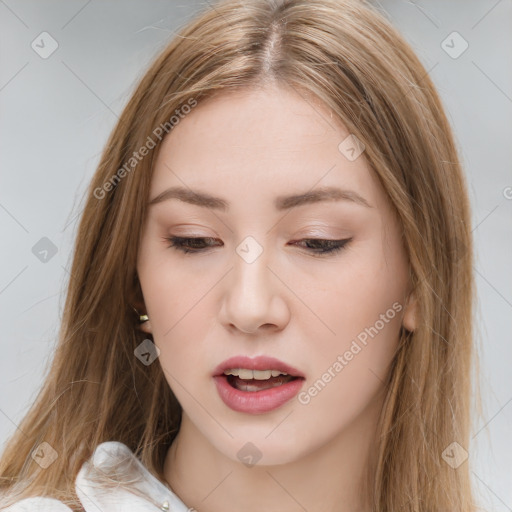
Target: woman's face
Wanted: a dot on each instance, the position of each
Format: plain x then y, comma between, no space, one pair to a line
259,285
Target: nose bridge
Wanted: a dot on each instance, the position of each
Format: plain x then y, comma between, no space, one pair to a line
251,270
251,300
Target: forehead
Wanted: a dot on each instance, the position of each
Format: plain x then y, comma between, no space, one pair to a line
257,143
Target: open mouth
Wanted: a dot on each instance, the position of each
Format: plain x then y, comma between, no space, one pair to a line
257,390
258,384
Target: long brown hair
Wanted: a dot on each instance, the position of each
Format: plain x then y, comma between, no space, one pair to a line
349,56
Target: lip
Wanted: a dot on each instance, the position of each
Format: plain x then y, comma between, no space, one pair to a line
256,363
257,402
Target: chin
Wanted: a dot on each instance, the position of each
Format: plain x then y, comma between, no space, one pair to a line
256,451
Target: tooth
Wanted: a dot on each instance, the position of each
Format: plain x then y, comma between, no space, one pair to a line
245,374
253,374
262,374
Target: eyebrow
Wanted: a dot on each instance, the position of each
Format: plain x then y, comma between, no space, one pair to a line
281,202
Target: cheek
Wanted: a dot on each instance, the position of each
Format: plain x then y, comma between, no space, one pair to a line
169,289
357,296
178,306
362,310
353,366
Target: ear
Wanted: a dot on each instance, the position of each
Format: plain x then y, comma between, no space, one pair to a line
139,308
146,327
410,316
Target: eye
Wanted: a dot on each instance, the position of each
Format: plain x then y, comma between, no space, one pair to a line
194,245
321,247
187,245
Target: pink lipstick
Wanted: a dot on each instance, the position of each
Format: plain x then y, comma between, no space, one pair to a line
256,385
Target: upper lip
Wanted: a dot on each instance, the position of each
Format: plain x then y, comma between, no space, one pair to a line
256,363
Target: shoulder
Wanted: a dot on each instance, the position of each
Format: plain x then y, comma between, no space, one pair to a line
38,504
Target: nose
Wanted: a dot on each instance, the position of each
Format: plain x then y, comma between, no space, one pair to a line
254,297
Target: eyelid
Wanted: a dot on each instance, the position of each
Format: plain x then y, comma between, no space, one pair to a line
179,243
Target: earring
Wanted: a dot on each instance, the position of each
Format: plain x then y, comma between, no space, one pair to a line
142,318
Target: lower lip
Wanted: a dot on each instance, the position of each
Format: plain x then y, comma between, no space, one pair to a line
256,402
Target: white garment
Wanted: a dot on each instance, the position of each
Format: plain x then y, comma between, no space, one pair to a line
94,499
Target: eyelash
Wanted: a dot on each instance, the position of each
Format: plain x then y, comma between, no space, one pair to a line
333,246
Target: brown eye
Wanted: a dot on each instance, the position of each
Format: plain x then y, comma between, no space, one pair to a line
321,247
187,244
317,246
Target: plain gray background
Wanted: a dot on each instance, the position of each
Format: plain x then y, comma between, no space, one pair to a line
57,112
